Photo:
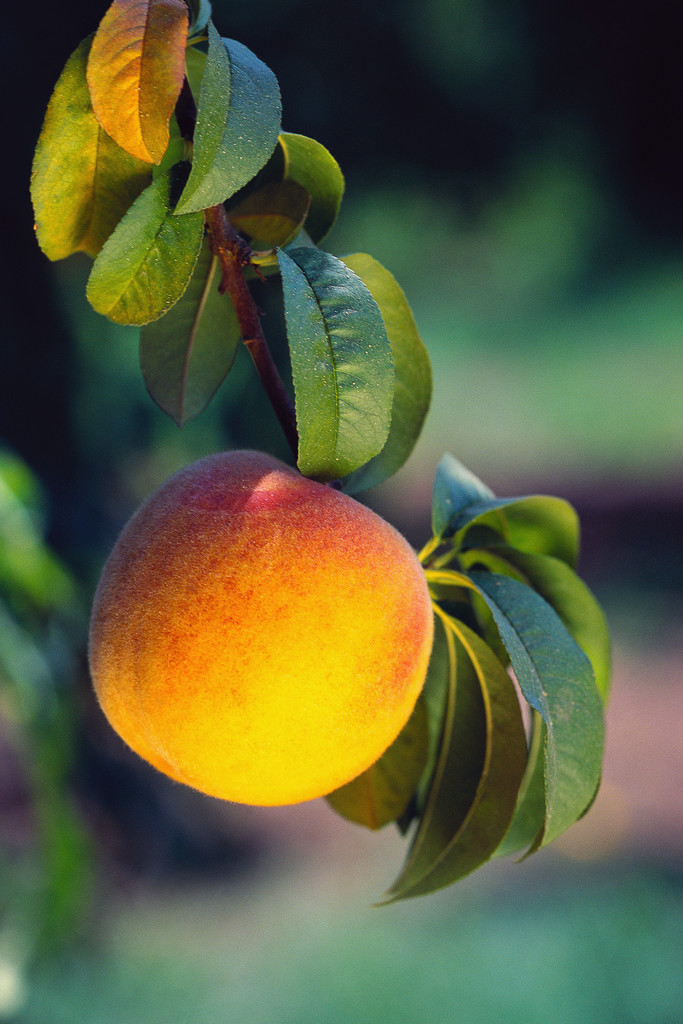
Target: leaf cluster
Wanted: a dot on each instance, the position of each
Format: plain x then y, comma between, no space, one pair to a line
39,616
504,751
162,157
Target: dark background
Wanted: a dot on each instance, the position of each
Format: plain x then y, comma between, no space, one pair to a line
449,95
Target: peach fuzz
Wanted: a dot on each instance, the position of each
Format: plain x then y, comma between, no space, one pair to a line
256,635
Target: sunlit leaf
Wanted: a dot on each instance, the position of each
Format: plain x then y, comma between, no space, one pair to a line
381,794
135,72
187,353
82,182
309,163
557,680
538,523
146,263
238,120
341,364
492,807
273,215
412,369
305,162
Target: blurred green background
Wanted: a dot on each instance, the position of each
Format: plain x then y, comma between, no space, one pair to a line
518,168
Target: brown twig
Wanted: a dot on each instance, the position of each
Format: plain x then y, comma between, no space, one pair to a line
234,254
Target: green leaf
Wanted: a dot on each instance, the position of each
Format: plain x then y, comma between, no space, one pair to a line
460,761
82,183
557,680
238,120
559,585
455,488
28,569
341,364
305,162
273,215
200,12
412,368
309,163
187,353
485,752
527,822
195,65
146,263
540,524
537,523
381,794
435,695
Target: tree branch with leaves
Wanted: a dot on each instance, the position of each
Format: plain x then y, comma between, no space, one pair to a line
162,157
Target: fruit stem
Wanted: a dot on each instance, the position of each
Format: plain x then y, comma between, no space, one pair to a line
234,254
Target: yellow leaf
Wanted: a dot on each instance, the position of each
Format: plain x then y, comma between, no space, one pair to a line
135,73
82,183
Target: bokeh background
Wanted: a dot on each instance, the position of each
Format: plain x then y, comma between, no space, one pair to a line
518,167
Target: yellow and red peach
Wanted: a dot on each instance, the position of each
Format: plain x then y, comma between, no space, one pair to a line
256,635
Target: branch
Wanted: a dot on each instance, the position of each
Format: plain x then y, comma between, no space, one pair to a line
234,254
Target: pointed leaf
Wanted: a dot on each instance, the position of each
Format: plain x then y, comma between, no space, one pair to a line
539,523
461,761
146,263
455,488
381,794
435,694
529,816
273,215
341,364
309,163
557,680
494,802
187,353
412,368
238,120
566,593
304,161
82,183
135,72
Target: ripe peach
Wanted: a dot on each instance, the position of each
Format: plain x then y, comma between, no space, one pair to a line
257,635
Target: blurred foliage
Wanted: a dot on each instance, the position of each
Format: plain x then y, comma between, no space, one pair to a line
567,949
44,860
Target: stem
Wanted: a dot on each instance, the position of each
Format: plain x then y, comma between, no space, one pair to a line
234,254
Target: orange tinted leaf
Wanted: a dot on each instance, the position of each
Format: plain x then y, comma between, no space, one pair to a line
136,70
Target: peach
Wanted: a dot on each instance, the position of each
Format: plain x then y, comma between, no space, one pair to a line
256,635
